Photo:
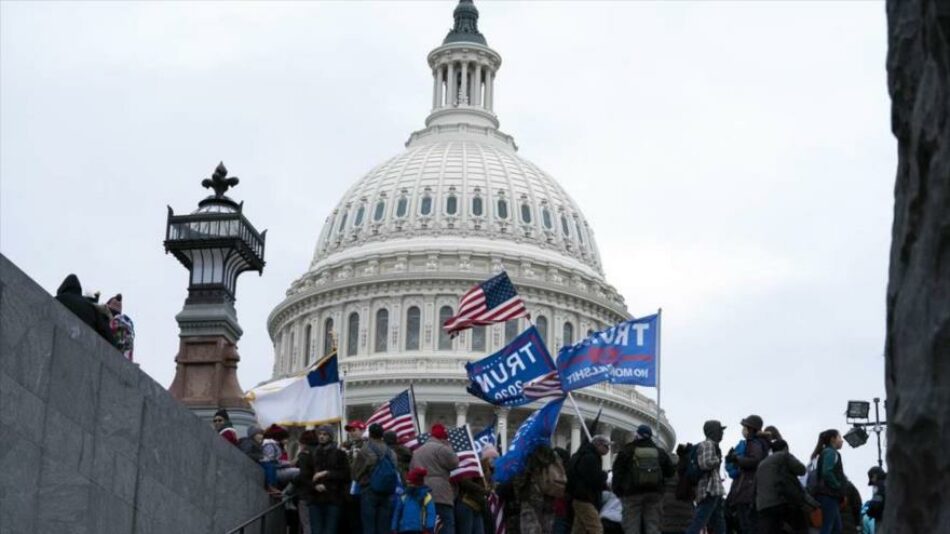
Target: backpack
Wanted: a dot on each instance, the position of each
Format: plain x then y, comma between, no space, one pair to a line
646,472
692,473
383,479
812,475
553,480
412,514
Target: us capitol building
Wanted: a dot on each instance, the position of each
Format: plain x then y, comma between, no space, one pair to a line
457,206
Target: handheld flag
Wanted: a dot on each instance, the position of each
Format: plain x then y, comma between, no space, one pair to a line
486,437
536,430
622,354
520,373
464,446
301,400
492,301
399,415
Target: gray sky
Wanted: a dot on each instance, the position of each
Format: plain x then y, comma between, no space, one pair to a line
734,159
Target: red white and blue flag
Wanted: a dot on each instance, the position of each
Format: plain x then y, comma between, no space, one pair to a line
496,507
464,446
492,301
399,415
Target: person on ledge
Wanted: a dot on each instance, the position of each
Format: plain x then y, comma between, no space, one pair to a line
222,423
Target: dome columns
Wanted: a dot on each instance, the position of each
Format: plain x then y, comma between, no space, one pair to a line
463,85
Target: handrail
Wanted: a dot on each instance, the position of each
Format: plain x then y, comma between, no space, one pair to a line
262,516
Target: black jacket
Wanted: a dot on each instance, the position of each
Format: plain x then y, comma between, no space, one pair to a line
70,295
586,479
329,458
623,468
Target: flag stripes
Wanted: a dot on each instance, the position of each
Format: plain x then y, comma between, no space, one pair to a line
398,415
492,301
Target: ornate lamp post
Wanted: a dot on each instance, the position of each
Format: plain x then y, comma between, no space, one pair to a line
216,244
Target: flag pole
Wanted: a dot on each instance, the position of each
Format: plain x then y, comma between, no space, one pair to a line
415,410
659,323
580,417
344,420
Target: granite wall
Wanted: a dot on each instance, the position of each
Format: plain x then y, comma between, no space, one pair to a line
91,444
918,293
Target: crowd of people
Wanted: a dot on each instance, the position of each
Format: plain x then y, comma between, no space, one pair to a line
106,319
372,484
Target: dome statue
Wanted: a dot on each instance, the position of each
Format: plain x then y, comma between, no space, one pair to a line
457,206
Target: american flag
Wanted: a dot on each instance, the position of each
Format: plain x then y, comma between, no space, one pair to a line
397,415
461,440
497,510
492,301
544,387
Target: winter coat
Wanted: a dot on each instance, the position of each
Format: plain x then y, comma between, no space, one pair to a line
623,475
675,515
251,448
831,477
315,458
586,478
70,295
474,493
851,516
777,476
438,459
414,511
743,489
366,458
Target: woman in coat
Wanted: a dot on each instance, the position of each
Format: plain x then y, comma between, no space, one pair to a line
778,492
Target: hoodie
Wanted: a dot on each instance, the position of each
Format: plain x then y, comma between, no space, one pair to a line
69,294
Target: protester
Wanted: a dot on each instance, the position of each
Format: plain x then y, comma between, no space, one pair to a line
778,494
121,327
488,456
375,470
70,295
850,509
403,454
586,482
308,438
252,444
415,509
829,488
709,489
276,462
438,459
742,492
352,518
471,505
675,513
563,514
221,422
638,479
877,478
322,481
542,481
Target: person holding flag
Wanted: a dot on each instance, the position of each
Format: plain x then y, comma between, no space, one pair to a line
438,458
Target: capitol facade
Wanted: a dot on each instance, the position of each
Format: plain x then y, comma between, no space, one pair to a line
456,207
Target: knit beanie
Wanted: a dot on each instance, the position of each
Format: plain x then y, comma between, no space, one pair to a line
416,476
438,431
254,430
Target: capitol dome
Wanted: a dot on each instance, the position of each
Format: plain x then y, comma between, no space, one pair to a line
457,206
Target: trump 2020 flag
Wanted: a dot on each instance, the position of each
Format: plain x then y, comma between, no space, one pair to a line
622,354
536,430
520,373
487,437
301,400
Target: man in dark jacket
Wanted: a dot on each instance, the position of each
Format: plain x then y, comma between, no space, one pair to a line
70,295
376,509
638,479
778,494
323,480
586,481
742,493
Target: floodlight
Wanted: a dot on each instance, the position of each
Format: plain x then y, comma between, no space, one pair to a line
858,409
856,437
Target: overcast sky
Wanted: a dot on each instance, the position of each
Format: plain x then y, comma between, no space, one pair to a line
734,160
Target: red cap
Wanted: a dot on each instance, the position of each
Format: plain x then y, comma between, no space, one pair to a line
416,476
356,424
438,431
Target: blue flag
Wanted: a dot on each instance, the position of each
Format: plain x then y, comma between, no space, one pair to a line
486,437
536,430
520,373
622,354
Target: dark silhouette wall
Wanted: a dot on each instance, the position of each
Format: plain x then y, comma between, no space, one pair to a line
91,444
918,292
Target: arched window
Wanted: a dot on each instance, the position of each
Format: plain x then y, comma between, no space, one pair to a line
511,330
445,342
451,205
413,327
502,208
526,213
565,227
352,334
402,207
342,223
542,325
379,211
478,338
358,221
568,334
327,336
382,330
477,207
425,207
546,218
580,232
306,344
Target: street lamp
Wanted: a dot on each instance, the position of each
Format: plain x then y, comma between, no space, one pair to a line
857,416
